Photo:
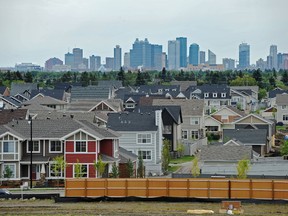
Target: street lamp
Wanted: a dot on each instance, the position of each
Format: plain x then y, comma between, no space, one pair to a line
31,149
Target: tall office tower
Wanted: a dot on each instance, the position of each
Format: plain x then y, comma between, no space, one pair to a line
164,60
202,57
141,54
285,61
273,54
69,59
109,63
86,63
92,61
229,64
211,58
261,64
244,56
97,62
127,60
269,62
51,62
156,57
173,55
194,54
78,57
279,61
117,58
183,51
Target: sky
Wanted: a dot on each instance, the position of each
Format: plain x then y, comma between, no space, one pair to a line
36,30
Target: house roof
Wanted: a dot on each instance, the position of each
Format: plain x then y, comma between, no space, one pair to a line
251,115
7,116
244,88
281,99
37,107
46,100
54,93
132,121
2,89
225,153
188,107
120,93
90,92
273,93
210,89
157,89
115,83
22,87
184,84
247,136
232,109
108,159
88,105
11,100
125,155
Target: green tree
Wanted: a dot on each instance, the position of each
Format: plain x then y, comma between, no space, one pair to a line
180,149
243,167
130,168
284,148
140,79
165,155
195,167
246,80
99,166
8,173
262,94
58,167
141,168
115,170
284,78
28,78
257,75
121,75
78,169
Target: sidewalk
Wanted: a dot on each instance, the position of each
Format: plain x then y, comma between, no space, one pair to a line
59,191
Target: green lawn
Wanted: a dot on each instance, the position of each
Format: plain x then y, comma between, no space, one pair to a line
173,168
182,160
284,127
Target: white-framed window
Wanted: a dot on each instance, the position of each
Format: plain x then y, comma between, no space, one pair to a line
284,107
214,95
9,167
83,168
130,106
146,155
224,117
8,146
55,173
206,95
55,146
143,138
35,146
184,134
223,95
160,90
194,134
80,146
285,117
194,120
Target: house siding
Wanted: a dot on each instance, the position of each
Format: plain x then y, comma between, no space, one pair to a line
106,147
83,158
91,146
69,146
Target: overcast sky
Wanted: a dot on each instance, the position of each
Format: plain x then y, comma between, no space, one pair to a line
36,30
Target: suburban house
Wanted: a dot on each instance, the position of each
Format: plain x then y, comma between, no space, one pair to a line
214,96
4,91
9,102
125,156
282,108
47,101
78,141
92,93
272,96
142,134
58,94
157,89
7,116
23,88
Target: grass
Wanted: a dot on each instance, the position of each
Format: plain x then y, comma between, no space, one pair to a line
183,159
284,127
173,168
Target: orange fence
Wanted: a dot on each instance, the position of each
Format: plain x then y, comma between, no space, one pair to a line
182,188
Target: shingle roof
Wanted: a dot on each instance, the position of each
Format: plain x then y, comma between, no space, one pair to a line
157,89
46,100
2,89
115,83
120,93
125,155
54,93
133,121
86,105
7,116
90,92
225,153
210,89
11,100
273,93
281,99
247,136
184,84
22,87
188,107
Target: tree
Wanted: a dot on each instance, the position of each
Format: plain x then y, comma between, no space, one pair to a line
246,80
130,168
58,167
243,168
284,148
115,170
262,94
78,169
163,74
8,173
139,80
180,149
28,78
195,167
284,78
141,168
257,75
99,166
165,155
272,81
121,75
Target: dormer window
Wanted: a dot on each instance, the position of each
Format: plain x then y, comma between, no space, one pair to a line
223,95
214,95
160,90
206,95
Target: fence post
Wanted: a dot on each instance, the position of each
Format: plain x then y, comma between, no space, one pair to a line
147,188
229,189
167,187
85,187
273,189
106,187
126,188
251,189
208,189
188,188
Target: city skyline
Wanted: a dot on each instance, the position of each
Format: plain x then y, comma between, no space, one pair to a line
34,31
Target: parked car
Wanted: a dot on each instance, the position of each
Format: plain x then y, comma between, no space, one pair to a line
4,192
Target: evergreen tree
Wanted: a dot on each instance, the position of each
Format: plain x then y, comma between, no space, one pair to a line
163,74
140,80
257,76
243,168
141,168
121,75
115,171
272,81
284,78
165,155
130,169
28,78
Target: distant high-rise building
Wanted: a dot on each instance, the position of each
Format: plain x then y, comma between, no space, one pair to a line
194,54
269,62
183,51
273,54
244,56
69,59
127,60
78,57
164,60
117,58
211,58
140,54
285,61
229,64
202,57
156,57
86,63
51,62
92,61
261,64
109,63
279,61
173,55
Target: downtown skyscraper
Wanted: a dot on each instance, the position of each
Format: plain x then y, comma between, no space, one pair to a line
194,54
183,51
117,58
244,56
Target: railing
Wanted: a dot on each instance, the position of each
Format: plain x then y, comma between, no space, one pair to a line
179,188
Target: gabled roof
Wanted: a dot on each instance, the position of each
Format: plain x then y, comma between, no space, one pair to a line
184,84
22,87
7,116
11,100
247,136
115,83
273,93
225,153
157,89
46,100
90,93
188,107
255,89
232,109
54,93
210,89
113,104
251,115
89,105
213,119
281,99
36,107
125,155
2,89
120,93
132,121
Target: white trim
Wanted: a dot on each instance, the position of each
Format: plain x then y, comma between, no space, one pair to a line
15,170
79,130
11,134
146,150
227,108
87,164
141,143
105,104
61,144
187,134
251,114
81,152
27,146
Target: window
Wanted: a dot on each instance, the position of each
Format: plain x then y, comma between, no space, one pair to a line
8,147
130,106
35,146
184,134
167,129
146,155
206,95
7,168
55,146
80,171
194,134
284,107
55,173
223,95
214,95
194,121
285,117
144,138
80,146
224,117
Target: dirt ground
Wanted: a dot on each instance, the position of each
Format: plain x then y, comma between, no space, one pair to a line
49,207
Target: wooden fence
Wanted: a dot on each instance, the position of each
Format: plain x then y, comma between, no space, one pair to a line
179,188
